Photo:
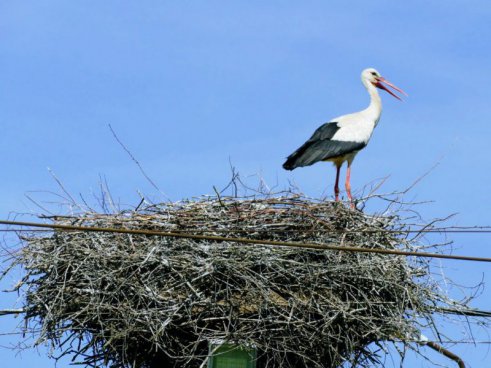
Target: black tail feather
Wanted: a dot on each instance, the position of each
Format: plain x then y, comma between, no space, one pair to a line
296,159
289,164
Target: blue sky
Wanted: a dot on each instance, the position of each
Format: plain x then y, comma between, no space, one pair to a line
191,85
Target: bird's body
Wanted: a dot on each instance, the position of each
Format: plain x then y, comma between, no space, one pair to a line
343,137
339,140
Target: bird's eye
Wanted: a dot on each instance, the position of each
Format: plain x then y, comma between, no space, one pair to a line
374,74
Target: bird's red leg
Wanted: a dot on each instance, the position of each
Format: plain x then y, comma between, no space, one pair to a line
336,185
348,185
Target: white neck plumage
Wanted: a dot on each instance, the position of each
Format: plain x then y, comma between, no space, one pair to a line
374,110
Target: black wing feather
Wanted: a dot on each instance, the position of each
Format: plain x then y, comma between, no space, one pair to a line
325,131
321,147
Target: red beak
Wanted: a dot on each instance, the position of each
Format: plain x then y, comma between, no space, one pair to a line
382,82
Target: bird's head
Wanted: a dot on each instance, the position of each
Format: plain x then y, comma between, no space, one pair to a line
373,77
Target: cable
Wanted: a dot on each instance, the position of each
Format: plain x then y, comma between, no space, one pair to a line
246,241
440,230
464,312
445,352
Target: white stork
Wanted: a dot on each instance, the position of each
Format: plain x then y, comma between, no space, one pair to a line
342,138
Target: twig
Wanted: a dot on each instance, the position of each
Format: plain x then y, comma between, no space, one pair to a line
136,162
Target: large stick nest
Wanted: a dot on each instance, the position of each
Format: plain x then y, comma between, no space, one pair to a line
149,301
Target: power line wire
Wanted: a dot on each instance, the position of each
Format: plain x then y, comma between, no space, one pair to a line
245,240
464,312
450,229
